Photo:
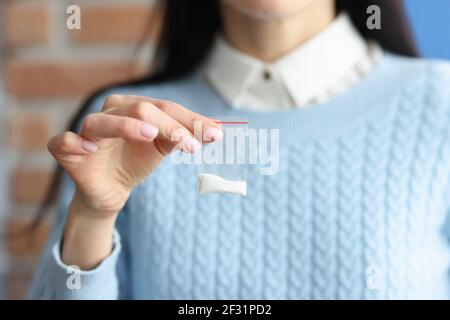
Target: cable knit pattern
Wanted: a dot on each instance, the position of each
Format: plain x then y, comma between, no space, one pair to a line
180,267
357,210
252,241
376,142
205,244
227,276
349,215
300,223
275,235
324,216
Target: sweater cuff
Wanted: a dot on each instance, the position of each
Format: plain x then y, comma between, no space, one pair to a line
69,282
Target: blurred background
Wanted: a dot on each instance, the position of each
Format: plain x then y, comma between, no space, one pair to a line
47,70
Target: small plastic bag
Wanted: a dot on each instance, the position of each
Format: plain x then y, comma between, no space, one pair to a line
223,164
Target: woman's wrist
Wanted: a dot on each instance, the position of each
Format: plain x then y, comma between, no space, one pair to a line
88,236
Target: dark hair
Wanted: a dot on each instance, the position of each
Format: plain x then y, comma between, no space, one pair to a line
188,31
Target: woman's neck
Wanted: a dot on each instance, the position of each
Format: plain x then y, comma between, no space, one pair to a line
267,39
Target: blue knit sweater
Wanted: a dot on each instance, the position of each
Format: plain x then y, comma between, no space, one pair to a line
358,210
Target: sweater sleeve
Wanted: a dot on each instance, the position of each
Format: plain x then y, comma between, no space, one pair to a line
446,139
55,280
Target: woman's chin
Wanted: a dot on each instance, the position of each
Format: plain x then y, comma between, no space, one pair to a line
268,9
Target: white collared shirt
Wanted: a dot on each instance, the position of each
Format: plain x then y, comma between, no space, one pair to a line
316,71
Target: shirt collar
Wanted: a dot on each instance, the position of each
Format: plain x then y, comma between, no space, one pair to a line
305,72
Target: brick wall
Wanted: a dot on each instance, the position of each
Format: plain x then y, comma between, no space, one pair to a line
48,70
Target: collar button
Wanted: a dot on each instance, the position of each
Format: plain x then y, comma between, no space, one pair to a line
267,75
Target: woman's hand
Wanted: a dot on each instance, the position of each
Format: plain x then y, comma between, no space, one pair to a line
114,152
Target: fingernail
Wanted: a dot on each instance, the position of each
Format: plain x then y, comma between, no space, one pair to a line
149,131
89,146
192,145
213,134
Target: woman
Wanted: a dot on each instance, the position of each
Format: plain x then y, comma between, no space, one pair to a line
357,209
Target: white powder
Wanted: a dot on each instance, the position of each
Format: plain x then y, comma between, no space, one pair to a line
209,183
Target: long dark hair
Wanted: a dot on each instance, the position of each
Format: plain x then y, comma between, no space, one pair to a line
188,31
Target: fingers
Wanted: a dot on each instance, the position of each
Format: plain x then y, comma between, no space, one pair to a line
175,123
172,132
69,143
98,126
210,130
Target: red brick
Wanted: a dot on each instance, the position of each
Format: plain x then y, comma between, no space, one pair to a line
59,79
26,23
23,243
18,285
29,185
28,132
123,24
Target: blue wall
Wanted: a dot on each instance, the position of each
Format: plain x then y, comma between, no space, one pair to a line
431,25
